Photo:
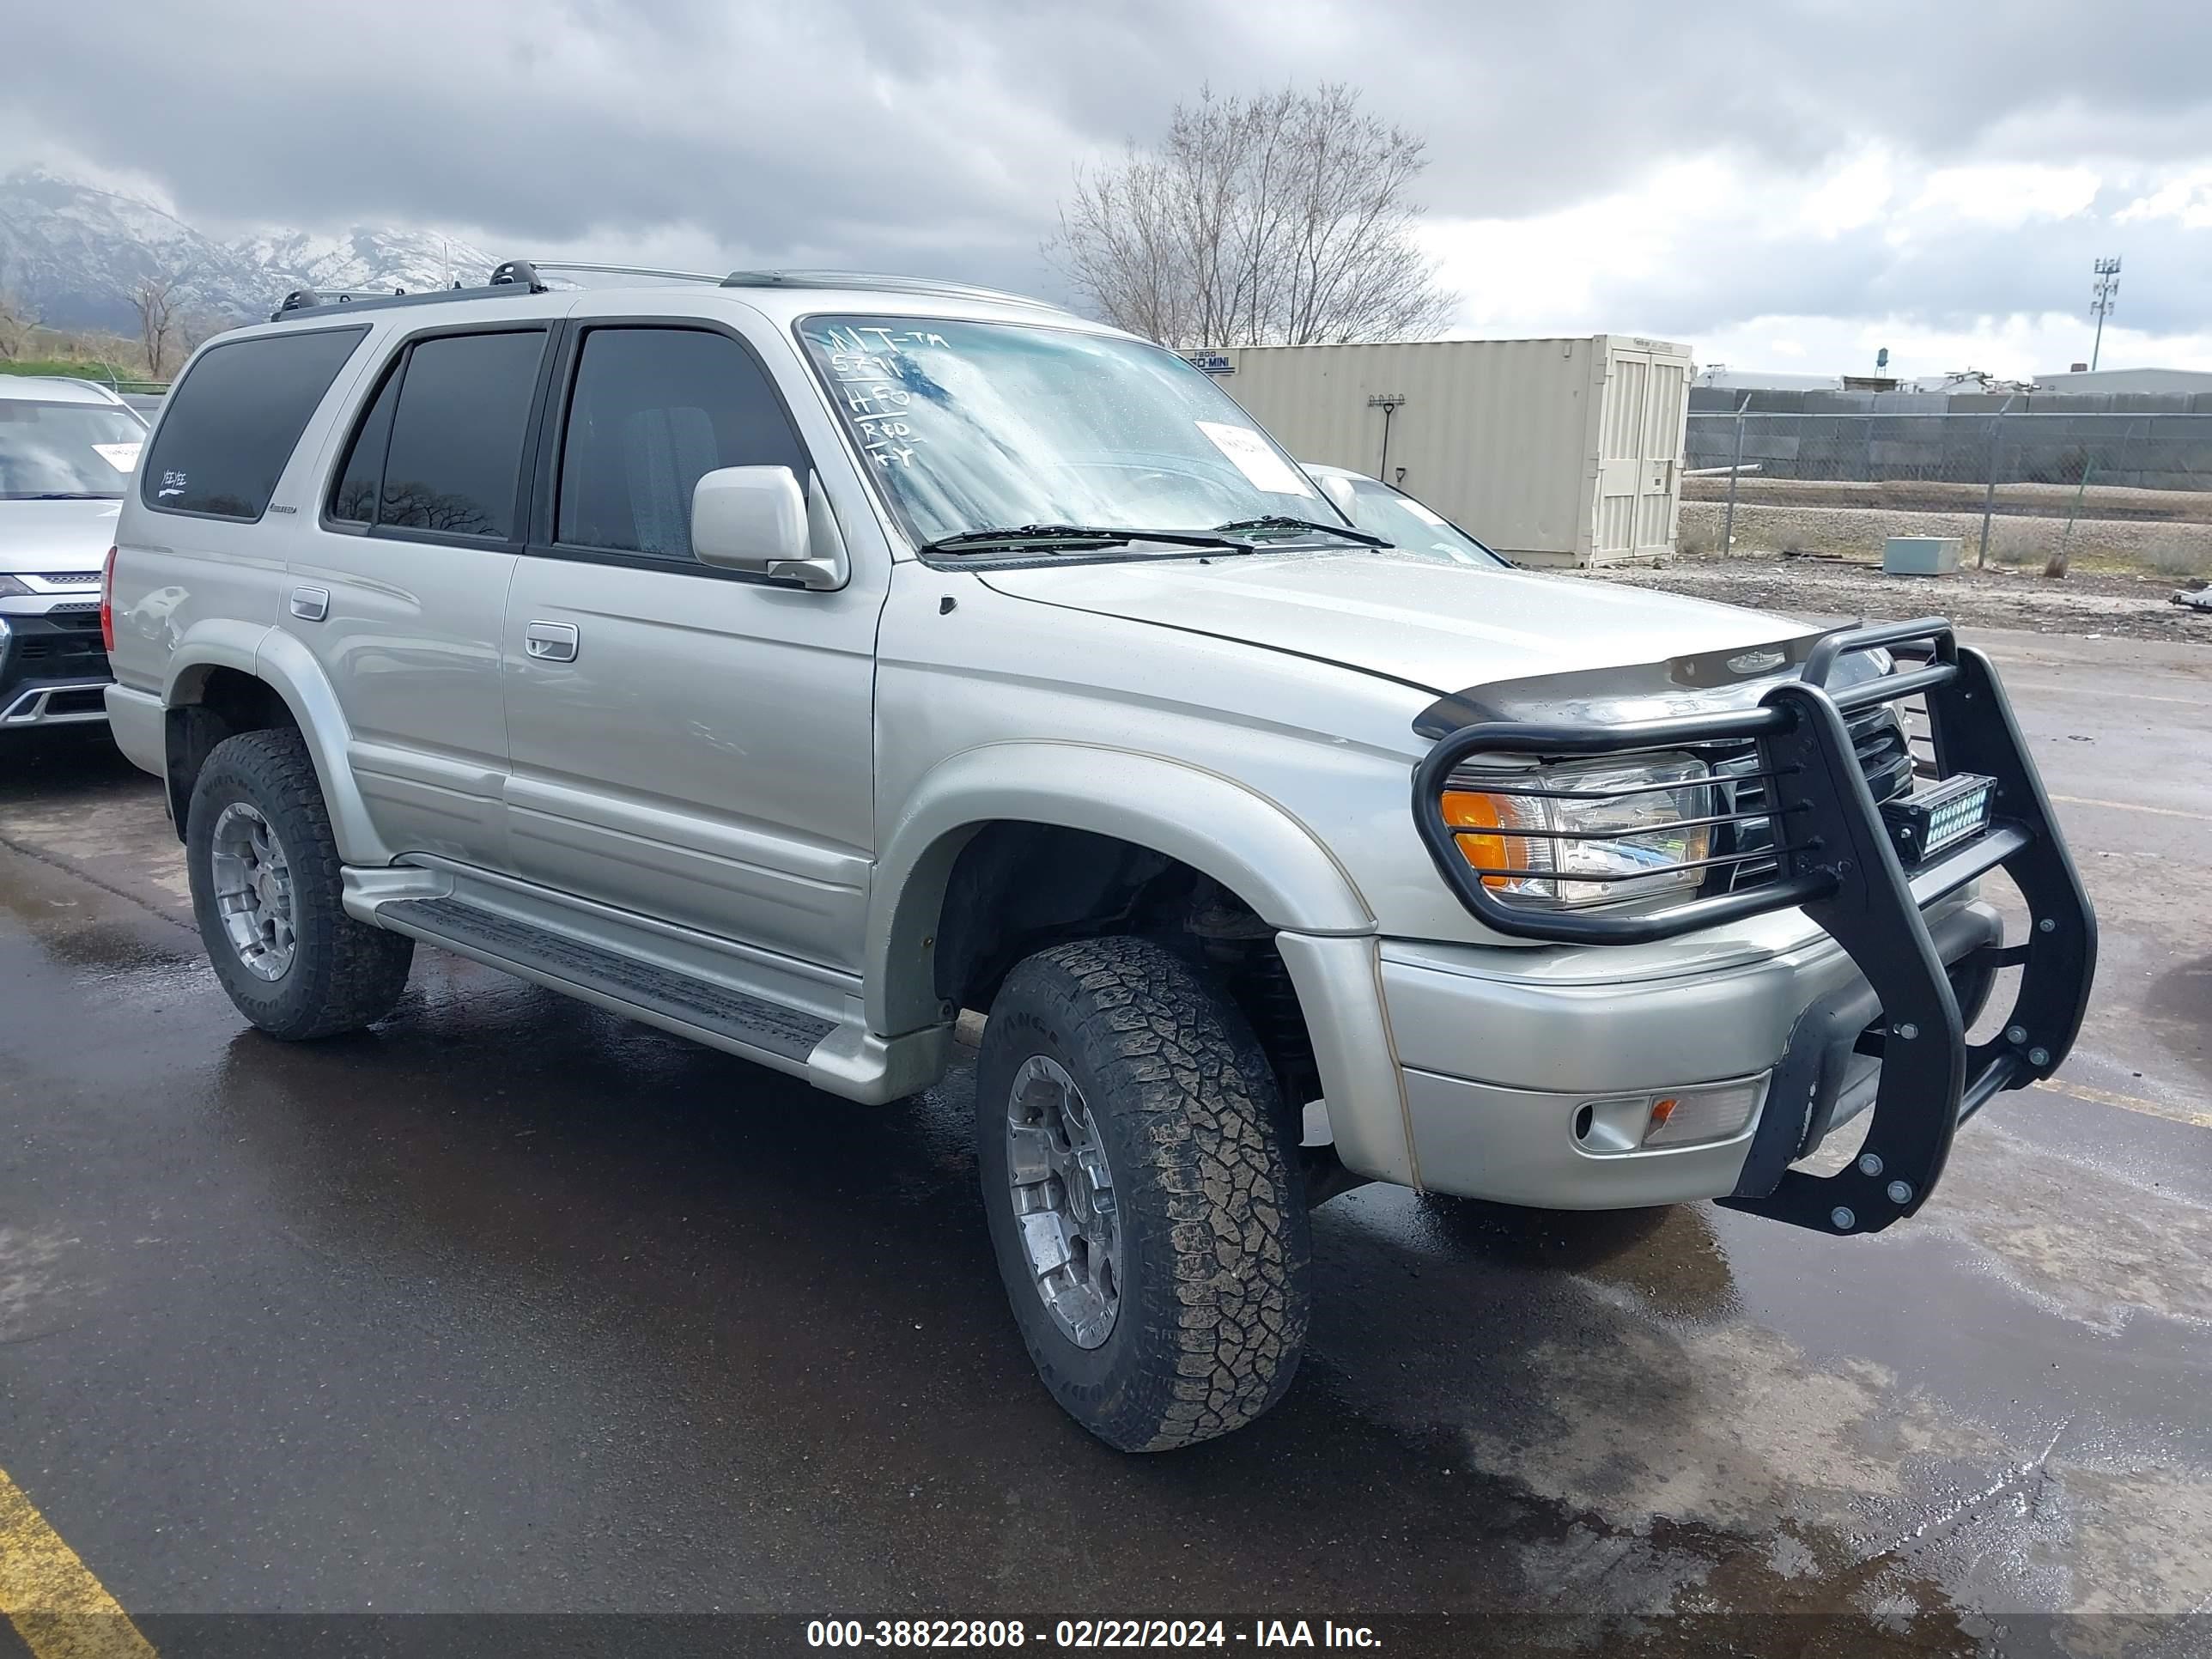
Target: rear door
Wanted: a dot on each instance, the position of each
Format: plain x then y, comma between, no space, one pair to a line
689,743
401,591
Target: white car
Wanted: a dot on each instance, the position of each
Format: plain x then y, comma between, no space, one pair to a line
1409,525
67,451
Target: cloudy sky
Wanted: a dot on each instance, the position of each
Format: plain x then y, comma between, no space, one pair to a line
1786,185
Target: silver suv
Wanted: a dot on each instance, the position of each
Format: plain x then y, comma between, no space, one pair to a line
795,661
67,449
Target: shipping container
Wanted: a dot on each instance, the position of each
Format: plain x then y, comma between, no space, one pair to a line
1554,451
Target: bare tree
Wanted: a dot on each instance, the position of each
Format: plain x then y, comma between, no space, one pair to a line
1285,218
195,329
18,323
155,301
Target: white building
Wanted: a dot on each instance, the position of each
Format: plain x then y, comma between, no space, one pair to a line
2169,381
1765,379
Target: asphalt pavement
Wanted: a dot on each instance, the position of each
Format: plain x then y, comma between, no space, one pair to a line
511,1307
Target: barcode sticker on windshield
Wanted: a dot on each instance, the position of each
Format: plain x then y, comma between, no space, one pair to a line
122,457
1255,459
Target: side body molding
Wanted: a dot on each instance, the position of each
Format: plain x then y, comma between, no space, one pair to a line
1210,822
273,656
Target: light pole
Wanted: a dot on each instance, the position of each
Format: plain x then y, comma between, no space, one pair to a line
2103,297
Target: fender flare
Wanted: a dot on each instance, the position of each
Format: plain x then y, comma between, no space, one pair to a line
1243,839
290,668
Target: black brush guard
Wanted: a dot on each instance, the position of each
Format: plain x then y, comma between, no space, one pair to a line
1838,863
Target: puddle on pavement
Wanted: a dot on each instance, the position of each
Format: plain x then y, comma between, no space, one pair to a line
2179,1009
1695,1368
95,939
31,1290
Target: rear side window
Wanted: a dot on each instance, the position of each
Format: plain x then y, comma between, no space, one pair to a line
440,446
232,422
654,409
354,501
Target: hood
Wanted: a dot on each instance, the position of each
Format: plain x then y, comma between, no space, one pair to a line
36,536
1441,627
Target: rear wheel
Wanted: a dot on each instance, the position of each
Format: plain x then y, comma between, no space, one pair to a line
268,894
1144,1205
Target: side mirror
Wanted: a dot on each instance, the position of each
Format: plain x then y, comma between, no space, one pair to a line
756,520
1340,491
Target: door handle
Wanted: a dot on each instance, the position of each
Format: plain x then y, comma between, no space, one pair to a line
545,642
311,604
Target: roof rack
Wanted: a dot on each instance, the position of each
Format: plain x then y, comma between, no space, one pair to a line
514,276
625,271
527,276
858,280
879,282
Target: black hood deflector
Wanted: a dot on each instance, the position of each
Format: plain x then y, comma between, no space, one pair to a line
1708,681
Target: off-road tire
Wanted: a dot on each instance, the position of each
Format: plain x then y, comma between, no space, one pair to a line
345,974
1215,1245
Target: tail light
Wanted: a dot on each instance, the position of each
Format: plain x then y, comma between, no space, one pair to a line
107,605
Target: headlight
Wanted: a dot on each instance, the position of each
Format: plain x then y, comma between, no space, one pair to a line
12,589
1598,832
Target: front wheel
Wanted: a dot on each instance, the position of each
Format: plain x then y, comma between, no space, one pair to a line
1144,1201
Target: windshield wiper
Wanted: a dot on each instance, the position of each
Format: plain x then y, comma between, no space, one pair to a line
976,541
1280,521
61,495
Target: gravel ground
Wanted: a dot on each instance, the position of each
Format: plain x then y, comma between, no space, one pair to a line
2040,501
2172,549
2085,605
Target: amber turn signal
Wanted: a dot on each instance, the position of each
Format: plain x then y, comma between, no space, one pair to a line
1465,810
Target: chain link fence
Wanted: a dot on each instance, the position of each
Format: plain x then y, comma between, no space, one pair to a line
2108,490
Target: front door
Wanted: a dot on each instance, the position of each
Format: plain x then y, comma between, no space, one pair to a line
687,743
401,589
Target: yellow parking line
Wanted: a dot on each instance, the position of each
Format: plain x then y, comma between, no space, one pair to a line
2130,806
2127,1103
56,1605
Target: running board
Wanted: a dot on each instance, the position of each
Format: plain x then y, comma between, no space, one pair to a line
841,1059
747,1022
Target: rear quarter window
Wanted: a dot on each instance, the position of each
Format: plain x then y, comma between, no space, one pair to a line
232,422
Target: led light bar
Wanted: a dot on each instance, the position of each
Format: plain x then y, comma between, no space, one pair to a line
1939,816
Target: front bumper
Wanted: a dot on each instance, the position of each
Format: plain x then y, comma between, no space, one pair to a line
1839,863
1497,1066
53,667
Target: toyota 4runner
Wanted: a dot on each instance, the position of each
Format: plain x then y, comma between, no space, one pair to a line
795,661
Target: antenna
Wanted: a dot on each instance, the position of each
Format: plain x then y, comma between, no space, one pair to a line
2103,296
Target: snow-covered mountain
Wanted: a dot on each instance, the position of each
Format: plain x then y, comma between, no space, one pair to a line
361,258
73,253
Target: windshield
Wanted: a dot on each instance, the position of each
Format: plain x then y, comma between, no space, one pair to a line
1405,523
988,426
66,449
